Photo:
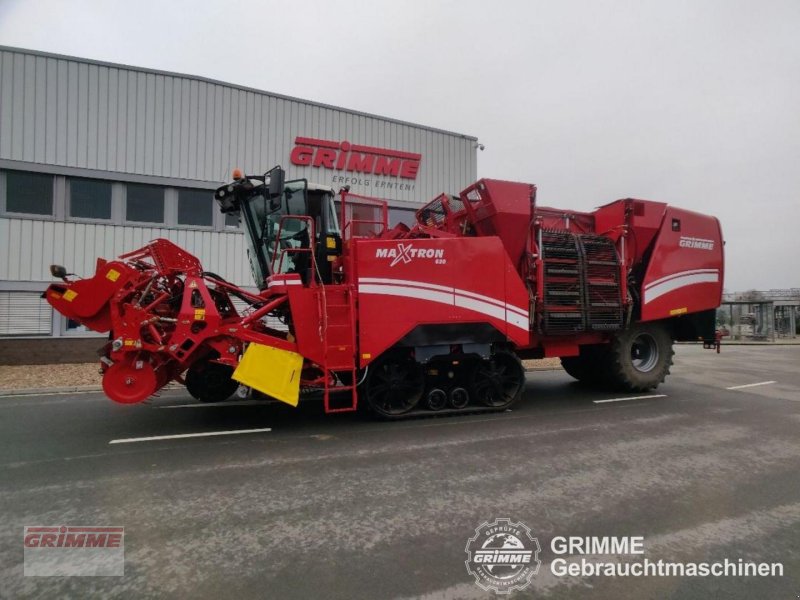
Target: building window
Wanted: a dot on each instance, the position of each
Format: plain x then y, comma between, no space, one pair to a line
89,199
401,215
232,221
24,313
195,208
74,328
29,193
144,203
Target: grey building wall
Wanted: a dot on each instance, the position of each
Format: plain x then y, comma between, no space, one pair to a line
72,117
77,113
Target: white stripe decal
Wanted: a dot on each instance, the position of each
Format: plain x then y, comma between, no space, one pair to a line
284,282
407,292
492,301
679,274
432,286
517,320
450,298
658,290
482,307
407,282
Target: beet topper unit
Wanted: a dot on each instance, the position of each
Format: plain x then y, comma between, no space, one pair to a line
406,320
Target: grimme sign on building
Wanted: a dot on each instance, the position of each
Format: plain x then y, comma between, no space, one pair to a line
379,168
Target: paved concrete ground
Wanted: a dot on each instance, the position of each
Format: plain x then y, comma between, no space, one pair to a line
342,507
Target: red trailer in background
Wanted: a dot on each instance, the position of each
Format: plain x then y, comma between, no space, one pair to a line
431,317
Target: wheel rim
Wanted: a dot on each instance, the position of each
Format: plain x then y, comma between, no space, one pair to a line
126,384
459,397
496,382
644,353
395,387
437,399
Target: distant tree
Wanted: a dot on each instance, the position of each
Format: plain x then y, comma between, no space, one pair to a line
722,317
751,296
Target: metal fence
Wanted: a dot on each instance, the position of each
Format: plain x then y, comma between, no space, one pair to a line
759,320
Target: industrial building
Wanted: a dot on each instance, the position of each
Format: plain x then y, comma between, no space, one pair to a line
763,316
97,159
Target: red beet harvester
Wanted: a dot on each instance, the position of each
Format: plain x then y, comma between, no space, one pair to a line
434,317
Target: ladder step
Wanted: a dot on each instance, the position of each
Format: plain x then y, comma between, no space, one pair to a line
552,271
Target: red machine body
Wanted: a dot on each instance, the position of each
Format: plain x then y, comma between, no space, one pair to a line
437,286
441,310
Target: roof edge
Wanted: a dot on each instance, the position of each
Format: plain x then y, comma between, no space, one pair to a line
245,88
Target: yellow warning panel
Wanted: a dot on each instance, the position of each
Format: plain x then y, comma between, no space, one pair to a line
271,371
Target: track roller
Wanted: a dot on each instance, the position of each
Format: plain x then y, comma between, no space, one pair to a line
436,399
458,397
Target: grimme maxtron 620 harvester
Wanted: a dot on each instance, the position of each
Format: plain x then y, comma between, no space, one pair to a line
406,320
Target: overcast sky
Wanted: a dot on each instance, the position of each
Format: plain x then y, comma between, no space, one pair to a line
696,103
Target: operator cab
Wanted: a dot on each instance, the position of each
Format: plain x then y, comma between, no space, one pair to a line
291,227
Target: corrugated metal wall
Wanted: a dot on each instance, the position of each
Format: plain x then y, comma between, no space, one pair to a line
28,247
75,113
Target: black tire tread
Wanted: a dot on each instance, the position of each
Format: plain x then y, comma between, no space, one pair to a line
621,373
196,386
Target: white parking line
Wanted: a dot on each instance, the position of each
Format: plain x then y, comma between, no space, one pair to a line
630,398
211,404
749,385
187,435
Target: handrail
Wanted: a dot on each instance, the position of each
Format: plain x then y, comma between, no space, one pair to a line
382,223
378,203
312,238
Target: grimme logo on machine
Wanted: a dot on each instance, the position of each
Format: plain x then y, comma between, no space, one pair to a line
405,253
354,158
693,242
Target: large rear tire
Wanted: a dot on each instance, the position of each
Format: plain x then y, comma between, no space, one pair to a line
639,357
575,367
589,367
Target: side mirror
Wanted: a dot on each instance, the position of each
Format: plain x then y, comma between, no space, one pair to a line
276,180
58,271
